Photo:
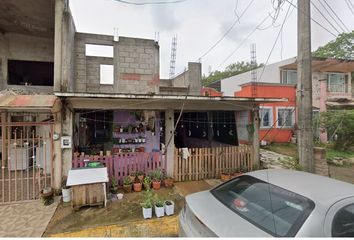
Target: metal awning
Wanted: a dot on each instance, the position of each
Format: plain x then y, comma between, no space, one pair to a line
27,102
162,102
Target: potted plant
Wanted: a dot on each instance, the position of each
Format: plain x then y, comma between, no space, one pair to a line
156,178
243,169
114,186
237,172
159,208
66,191
47,196
147,204
147,182
140,175
224,176
127,184
137,186
169,207
132,176
168,182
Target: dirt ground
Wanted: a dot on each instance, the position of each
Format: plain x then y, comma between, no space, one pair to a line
128,209
345,174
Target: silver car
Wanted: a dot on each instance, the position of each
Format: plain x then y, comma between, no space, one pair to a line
271,203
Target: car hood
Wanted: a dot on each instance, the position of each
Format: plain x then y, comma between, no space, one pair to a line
219,218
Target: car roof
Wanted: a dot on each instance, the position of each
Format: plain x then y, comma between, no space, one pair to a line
318,188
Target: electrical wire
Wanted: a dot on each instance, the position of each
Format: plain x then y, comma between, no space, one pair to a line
313,4
227,32
335,14
150,3
350,6
275,42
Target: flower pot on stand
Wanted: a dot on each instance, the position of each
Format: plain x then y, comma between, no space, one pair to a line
159,209
156,185
169,207
66,194
137,187
147,213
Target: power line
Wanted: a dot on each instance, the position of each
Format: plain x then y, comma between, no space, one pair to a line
319,24
335,14
150,3
275,42
350,6
228,31
324,16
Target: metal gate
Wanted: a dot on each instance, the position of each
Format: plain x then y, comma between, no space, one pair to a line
26,159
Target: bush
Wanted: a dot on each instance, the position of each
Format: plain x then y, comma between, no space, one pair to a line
340,125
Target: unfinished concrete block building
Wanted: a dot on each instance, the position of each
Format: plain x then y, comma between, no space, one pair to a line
68,96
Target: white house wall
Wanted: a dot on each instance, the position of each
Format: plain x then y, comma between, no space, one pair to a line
271,74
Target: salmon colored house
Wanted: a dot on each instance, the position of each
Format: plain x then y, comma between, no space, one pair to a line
208,91
277,119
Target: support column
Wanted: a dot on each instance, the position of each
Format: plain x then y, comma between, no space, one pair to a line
58,36
4,52
323,108
67,130
170,141
57,156
255,136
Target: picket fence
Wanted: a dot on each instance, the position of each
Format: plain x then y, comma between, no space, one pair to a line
205,163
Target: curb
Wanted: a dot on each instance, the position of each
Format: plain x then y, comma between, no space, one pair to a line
156,227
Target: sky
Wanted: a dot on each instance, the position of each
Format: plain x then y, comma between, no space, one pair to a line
200,24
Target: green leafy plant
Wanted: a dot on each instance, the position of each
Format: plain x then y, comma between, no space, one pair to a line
127,181
147,180
148,199
243,169
159,203
156,174
113,182
255,167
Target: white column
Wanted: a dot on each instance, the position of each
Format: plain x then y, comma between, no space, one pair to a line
169,141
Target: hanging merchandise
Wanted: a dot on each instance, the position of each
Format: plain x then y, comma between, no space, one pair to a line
224,120
189,130
95,126
104,120
217,125
197,121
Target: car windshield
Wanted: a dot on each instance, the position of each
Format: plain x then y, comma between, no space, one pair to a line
273,209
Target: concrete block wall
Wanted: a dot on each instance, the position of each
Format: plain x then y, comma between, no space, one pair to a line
136,65
28,48
191,77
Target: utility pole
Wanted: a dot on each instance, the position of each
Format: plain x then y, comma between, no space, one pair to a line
304,87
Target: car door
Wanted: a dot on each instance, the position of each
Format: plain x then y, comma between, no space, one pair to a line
339,220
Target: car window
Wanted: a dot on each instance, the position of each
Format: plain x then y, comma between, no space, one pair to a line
273,209
343,222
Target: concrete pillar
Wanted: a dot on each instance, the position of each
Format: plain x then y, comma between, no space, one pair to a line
170,141
323,108
4,52
67,130
255,135
57,161
321,166
58,36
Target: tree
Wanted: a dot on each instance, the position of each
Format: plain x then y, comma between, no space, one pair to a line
231,70
342,47
340,125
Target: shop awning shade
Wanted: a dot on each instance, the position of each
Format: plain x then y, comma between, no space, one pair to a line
27,102
162,102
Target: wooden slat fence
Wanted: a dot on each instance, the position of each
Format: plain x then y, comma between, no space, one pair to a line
204,163
123,164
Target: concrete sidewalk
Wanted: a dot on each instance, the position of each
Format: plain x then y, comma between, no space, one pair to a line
26,219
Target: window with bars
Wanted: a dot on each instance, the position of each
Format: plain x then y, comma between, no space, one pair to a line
337,82
286,117
266,117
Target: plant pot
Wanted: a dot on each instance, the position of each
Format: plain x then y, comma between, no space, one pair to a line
156,185
147,213
127,188
137,187
159,211
120,196
169,182
66,194
114,190
236,174
141,178
225,176
147,186
47,197
169,207
132,178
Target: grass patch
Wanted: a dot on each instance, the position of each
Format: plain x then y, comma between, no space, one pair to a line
288,149
332,153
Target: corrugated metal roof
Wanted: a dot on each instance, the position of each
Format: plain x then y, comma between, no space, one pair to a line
27,101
